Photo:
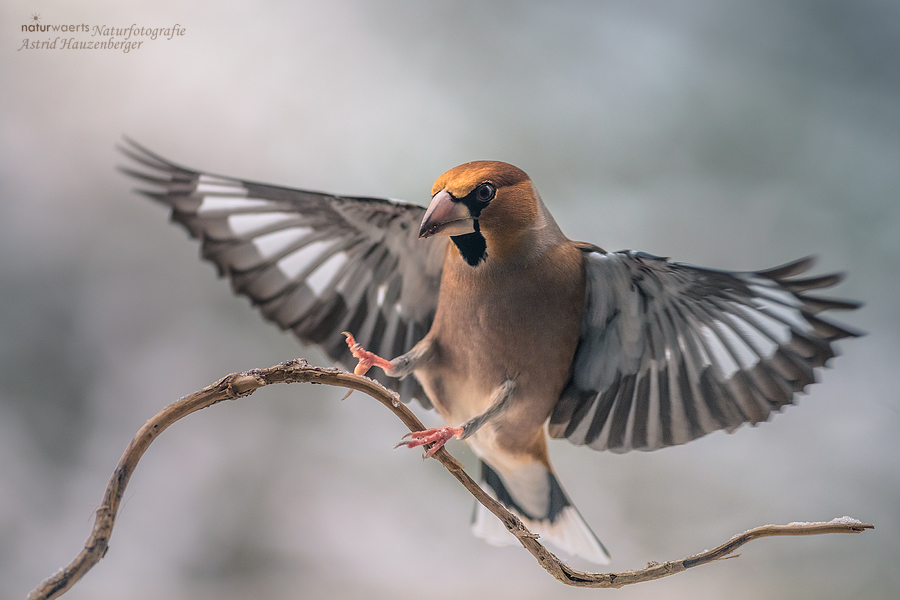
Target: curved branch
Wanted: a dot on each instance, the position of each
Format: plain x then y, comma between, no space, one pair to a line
239,385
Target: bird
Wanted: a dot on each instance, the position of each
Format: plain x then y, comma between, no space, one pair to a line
511,331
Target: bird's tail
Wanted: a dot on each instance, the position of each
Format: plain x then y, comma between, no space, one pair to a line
533,493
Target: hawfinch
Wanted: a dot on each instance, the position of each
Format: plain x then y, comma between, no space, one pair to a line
506,327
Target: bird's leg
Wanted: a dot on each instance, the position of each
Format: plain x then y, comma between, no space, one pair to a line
405,364
439,436
400,367
366,359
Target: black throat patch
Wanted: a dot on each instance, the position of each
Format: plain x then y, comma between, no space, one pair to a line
472,246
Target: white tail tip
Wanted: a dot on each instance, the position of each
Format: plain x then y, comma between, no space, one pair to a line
568,533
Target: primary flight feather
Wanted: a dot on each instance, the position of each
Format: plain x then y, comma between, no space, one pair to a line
506,327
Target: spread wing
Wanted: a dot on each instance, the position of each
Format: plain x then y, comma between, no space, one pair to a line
312,263
670,352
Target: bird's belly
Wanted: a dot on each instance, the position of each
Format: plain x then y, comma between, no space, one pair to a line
456,399
465,372
488,442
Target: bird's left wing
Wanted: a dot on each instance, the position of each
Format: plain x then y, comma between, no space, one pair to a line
312,263
670,352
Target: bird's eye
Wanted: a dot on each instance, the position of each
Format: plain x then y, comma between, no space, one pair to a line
485,192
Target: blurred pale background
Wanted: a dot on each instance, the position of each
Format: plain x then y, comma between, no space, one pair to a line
724,133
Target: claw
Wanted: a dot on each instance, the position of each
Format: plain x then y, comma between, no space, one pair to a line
367,359
436,437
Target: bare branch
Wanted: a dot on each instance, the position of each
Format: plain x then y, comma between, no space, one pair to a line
239,385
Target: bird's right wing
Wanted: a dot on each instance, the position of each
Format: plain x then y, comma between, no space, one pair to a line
313,263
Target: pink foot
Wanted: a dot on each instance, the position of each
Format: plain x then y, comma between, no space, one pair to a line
367,359
438,437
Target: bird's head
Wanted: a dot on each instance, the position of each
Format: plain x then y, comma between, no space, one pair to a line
483,206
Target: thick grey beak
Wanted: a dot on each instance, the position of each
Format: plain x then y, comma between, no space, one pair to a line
446,216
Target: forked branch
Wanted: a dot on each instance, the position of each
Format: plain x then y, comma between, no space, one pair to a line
239,385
